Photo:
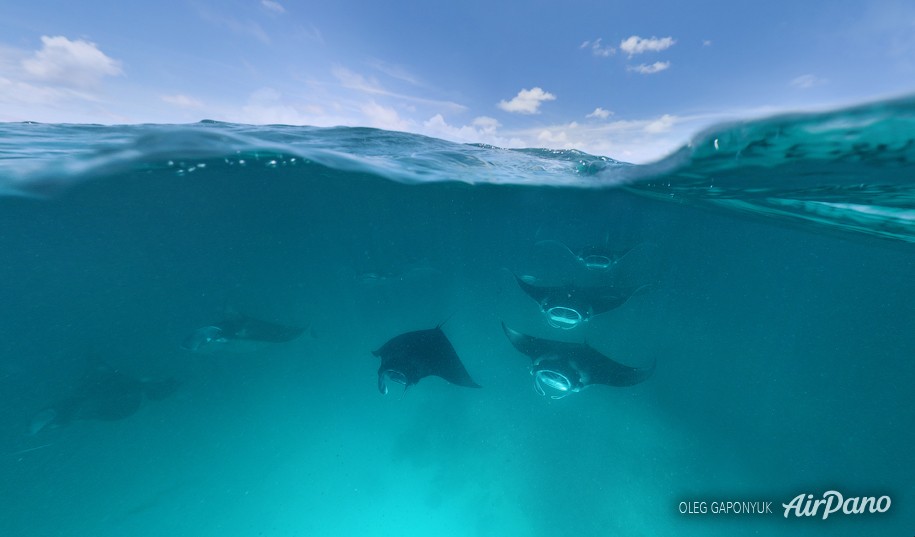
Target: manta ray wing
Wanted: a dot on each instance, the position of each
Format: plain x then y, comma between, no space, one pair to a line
535,347
593,367
600,369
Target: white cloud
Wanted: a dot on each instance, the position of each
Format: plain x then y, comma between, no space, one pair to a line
269,106
599,113
648,69
384,117
347,98
486,124
437,126
807,81
634,140
706,42
636,45
60,82
275,7
553,138
638,141
598,49
641,140
482,130
182,101
527,101
662,124
70,63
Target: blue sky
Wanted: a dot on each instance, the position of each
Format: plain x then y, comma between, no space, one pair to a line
630,80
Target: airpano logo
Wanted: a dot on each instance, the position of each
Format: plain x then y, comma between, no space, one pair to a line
832,502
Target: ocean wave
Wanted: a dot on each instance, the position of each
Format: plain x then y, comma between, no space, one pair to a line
870,143
37,159
851,168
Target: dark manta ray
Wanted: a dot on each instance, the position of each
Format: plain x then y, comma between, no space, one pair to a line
568,305
412,356
105,394
239,328
561,368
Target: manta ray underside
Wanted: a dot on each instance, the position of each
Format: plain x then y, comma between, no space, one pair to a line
567,306
560,368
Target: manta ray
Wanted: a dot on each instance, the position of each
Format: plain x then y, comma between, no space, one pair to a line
561,368
566,306
410,357
237,329
105,394
594,257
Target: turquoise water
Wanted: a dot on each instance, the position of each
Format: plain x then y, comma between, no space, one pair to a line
778,310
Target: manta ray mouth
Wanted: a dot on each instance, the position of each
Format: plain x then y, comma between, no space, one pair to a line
553,384
202,337
596,262
394,376
563,318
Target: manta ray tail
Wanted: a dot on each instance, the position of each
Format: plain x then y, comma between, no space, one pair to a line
448,318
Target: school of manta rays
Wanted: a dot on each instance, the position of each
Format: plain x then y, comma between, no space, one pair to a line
558,368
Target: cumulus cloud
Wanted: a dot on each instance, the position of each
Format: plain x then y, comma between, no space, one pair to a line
527,101
275,7
648,69
61,81
482,129
632,140
69,63
598,49
384,117
554,138
599,113
486,124
636,45
182,101
268,106
807,81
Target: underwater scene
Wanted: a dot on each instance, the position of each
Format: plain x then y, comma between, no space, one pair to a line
227,330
